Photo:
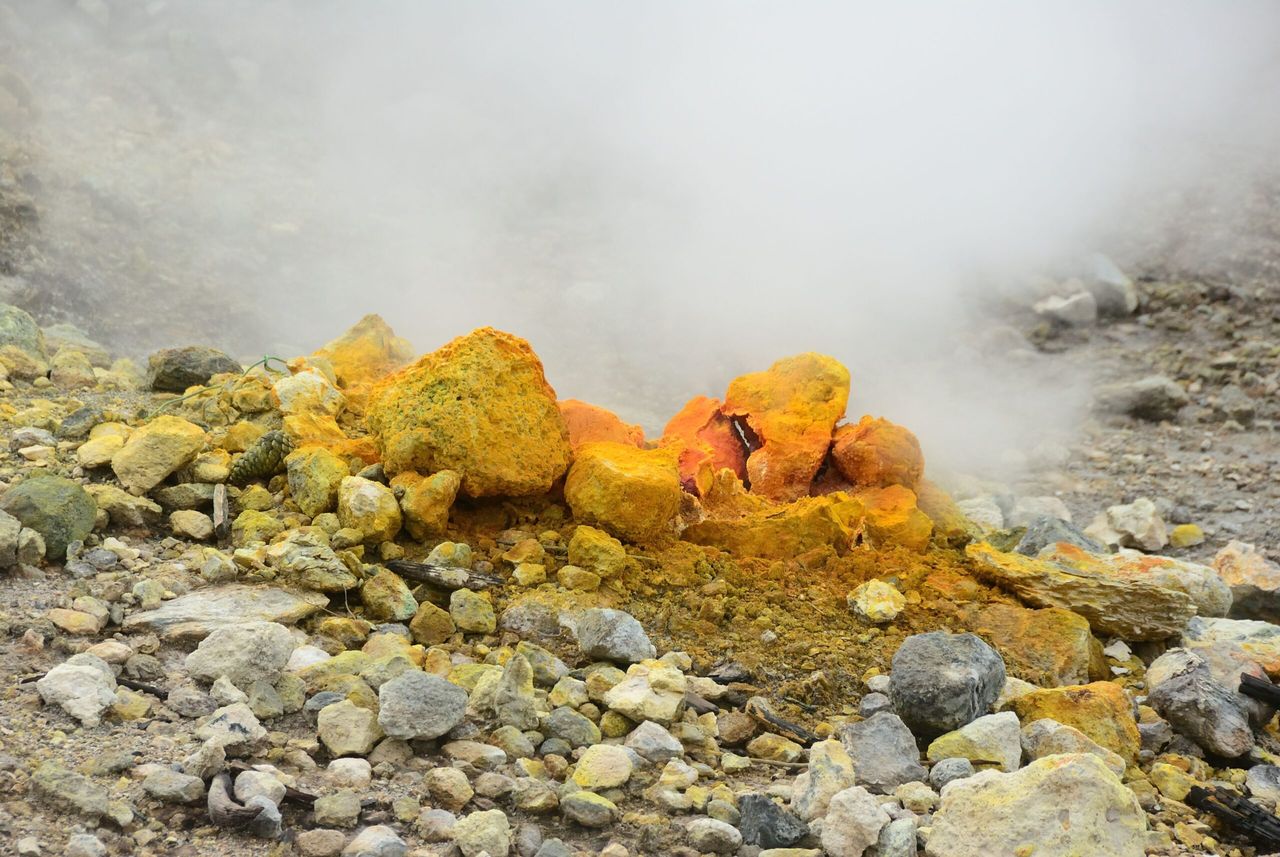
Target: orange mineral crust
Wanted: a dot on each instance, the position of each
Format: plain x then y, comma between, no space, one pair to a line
707,443
589,423
789,412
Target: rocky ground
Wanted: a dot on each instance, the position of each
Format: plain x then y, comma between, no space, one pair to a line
533,685
212,648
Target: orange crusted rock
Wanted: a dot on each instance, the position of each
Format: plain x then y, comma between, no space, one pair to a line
632,493
591,423
894,519
876,452
480,406
782,532
707,443
370,350
790,411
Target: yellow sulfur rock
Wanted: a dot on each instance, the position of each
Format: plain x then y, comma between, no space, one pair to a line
156,450
1186,536
791,409
426,501
367,352
783,532
479,406
892,518
1172,782
98,451
632,493
1100,710
598,551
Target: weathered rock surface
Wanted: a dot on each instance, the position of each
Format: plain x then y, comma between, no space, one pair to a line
1254,582
22,346
705,442
156,450
314,475
479,406
1100,710
173,370
83,686
783,532
1047,647
244,653
60,510
425,501
369,508
418,705
883,751
992,738
1131,608
589,423
940,681
1058,806
613,635
1202,702
1154,398
367,352
194,616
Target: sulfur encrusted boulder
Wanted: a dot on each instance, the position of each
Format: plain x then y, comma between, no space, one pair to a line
589,423
893,518
479,406
706,442
789,413
632,493
22,346
875,453
156,450
425,501
1049,647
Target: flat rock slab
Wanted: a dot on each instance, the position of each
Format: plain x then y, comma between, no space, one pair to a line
195,616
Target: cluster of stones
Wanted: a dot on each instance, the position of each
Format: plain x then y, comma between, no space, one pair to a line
471,724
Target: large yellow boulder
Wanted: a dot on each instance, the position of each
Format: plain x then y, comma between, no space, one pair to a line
782,532
631,493
789,412
1100,710
156,450
479,406
367,352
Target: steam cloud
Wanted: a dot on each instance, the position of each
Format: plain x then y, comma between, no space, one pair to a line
659,196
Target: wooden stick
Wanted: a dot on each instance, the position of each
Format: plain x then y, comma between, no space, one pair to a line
442,575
